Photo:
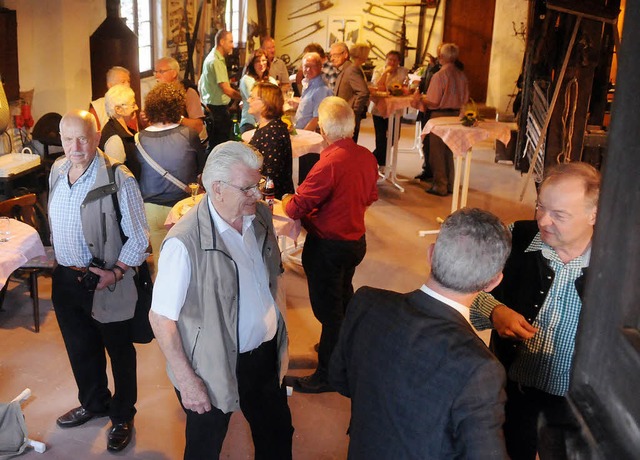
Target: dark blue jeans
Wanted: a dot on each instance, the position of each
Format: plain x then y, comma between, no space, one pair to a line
330,266
86,341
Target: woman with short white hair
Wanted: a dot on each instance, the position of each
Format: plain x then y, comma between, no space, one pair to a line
116,139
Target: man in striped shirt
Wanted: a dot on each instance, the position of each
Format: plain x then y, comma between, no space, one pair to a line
536,308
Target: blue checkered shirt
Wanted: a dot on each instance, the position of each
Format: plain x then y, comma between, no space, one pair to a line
71,249
544,361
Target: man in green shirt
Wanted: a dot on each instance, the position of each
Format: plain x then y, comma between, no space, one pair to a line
215,91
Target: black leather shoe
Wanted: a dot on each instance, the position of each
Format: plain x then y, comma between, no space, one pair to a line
435,191
120,436
312,384
424,176
76,417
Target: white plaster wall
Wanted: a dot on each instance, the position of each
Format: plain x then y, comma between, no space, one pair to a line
507,52
53,50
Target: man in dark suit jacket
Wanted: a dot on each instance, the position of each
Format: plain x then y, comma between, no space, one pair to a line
422,383
350,84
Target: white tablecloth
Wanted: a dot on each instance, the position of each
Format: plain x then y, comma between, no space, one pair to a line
461,138
301,143
282,224
24,244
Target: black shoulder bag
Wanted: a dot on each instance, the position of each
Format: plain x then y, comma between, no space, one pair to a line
141,331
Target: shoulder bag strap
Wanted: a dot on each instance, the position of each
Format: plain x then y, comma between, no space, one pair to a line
159,169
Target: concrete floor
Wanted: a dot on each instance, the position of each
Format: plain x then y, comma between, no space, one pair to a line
395,260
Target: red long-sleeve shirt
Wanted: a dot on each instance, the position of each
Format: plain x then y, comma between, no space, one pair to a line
333,198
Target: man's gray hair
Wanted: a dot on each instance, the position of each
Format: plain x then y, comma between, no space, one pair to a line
222,159
171,62
117,95
336,118
449,51
343,48
471,249
112,73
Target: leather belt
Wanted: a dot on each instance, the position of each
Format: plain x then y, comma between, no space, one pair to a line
77,269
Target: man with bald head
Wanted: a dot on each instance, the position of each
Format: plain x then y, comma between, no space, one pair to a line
93,292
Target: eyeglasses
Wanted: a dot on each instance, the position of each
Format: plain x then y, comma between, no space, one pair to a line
336,54
162,71
134,105
249,189
82,140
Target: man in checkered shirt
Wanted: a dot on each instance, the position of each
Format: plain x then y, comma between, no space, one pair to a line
534,312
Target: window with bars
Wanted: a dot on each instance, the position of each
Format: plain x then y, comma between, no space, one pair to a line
139,18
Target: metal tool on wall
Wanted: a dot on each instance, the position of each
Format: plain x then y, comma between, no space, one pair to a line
404,42
377,51
315,7
307,30
372,9
388,34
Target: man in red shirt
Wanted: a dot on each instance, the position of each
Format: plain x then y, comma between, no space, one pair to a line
331,203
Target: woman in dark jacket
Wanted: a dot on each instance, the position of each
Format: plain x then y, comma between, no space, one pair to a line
272,137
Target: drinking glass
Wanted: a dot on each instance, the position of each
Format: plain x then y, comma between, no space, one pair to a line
194,191
5,229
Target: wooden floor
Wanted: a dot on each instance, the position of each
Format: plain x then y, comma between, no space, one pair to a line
396,259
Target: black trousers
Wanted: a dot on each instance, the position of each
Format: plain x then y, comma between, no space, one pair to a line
330,266
305,163
423,118
522,411
222,125
263,402
441,156
380,126
86,341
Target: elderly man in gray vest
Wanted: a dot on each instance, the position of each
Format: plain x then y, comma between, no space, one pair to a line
92,288
215,315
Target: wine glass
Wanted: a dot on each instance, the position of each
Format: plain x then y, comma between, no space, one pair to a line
194,191
290,94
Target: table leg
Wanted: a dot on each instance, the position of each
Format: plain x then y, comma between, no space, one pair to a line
393,139
465,180
456,184
457,193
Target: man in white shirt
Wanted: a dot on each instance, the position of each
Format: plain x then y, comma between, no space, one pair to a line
422,383
215,315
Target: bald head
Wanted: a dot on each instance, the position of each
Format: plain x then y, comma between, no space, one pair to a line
80,137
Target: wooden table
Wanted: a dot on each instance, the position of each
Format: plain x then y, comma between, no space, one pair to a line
392,107
24,244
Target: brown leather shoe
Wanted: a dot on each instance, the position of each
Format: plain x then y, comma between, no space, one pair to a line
76,417
435,191
120,436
